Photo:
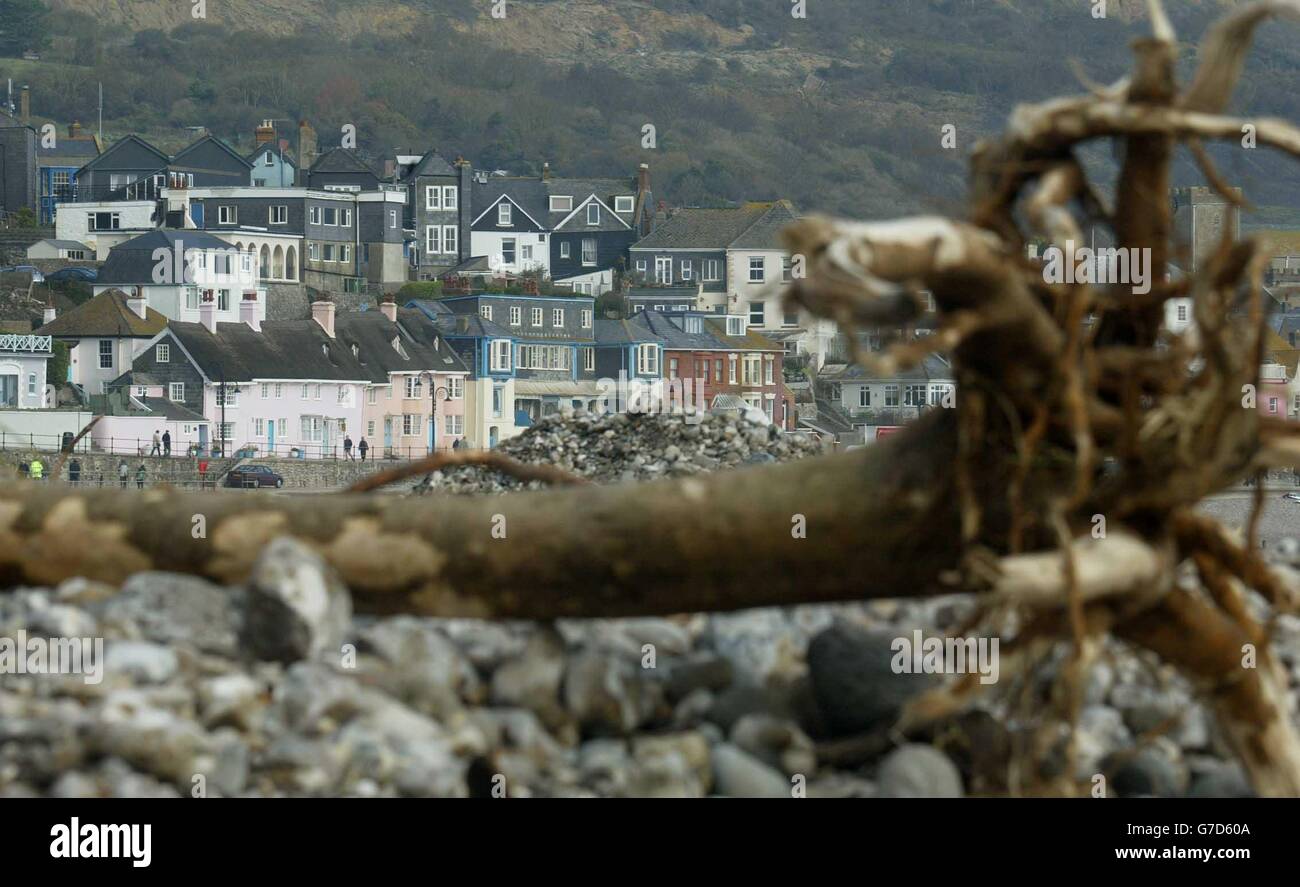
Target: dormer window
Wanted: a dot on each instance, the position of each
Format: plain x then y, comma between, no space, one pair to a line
623,205
693,325
561,204
503,214
735,326
593,213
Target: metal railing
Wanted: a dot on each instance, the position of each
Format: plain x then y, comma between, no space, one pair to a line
136,446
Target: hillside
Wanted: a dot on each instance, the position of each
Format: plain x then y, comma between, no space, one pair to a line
840,111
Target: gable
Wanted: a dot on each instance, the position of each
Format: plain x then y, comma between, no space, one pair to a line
520,220
209,153
576,221
131,153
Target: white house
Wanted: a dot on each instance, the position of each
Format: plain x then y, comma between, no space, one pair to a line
23,358
103,336
173,269
103,225
60,249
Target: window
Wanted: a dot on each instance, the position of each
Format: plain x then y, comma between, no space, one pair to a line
769,364
500,362
535,315
449,198
279,215
672,368
450,236
268,160
227,395
313,429
392,218
105,354
372,395
589,251
864,396
914,395
315,390
455,388
313,215
507,250
103,221
557,317
735,326
176,392
226,430
266,391
342,395
162,354
593,213
589,359
432,197
640,267
586,318
432,239
891,395
1182,313
1272,403
687,270
328,253
227,215
410,424
647,360
623,204
311,250
717,370
370,428
486,312
561,204
347,218
496,400
31,386
757,270
259,428
527,252
503,214
545,357
755,313
330,216
787,270
345,252
938,393
564,249
279,390
712,270
663,269
731,365
306,390
790,318
455,424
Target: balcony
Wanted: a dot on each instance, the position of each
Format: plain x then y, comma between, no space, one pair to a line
17,343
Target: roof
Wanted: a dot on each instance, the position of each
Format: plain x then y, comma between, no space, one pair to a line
622,332
472,265
662,292
766,232
286,349
133,261
107,315
431,164
63,244
340,160
79,150
542,387
704,228
281,151
374,335
752,340
932,367
661,325
162,156
220,143
450,323
530,195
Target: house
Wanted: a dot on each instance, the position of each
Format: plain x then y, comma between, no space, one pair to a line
510,224
876,403
208,162
58,163
103,336
130,161
19,179
133,407
340,169
663,298
273,163
737,259
171,268
415,402
438,211
286,388
487,349
23,359
70,250
103,225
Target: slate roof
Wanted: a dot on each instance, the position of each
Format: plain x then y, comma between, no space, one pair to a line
162,155
220,143
133,261
66,149
431,164
703,228
286,349
530,195
373,334
64,244
605,191
340,160
752,340
472,265
281,151
660,324
931,368
105,316
450,323
766,232
622,332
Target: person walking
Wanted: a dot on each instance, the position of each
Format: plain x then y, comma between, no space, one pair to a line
203,474
74,472
167,443
364,448
140,474
37,469
157,444
123,472
347,447
455,444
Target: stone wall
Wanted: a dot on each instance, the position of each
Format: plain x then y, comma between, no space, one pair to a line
287,301
177,471
325,474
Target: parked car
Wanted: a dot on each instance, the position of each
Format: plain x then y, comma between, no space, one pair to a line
253,476
84,275
1291,497
37,276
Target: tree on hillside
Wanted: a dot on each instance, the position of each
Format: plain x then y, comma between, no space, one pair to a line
24,24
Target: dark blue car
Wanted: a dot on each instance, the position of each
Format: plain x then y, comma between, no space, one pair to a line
85,275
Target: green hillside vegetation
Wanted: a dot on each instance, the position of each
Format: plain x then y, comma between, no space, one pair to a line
840,111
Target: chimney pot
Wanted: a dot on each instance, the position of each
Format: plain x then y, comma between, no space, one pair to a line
208,311
25,104
546,170
138,304
323,313
389,309
248,310
50,314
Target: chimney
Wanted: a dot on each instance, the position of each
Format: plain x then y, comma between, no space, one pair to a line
306,145
323,313
74,130
389,308
546,170
25,104
643,178
263,134
248,311
208,311
137,303
50,313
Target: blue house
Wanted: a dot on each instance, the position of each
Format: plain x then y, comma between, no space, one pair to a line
57,167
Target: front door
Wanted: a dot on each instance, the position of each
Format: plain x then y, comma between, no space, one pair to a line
388,435
270,436
203,438
433,431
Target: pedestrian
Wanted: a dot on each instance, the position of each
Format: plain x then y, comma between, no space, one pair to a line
139,477
123,472
101,477
347,446
23,469
364,448
157,444
167,443
203,473
37,469
74,472
455,444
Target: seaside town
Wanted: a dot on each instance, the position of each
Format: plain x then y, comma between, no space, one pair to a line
338,466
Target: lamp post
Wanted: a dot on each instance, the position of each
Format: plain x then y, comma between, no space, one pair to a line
433,418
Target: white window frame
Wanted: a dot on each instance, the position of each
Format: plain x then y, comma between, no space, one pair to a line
227,214
456,388
624,204
647,360
535,315
593,213
432,198
589,359
162,353
589,262
450,238
500,356
761,269
176,392
557,318
450,198
561,203
485,311
586,318
432,239
313,215
516,315
505,214
277,214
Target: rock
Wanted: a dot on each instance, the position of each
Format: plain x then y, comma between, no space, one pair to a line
1147,773
425,669
854,682
737,774
1220,779
228,699
139,661
297,607
1101,731
607,695
170,609
699,671
918,771
533,680
778,743
691,747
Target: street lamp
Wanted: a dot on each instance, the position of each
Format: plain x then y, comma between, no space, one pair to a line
433,392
